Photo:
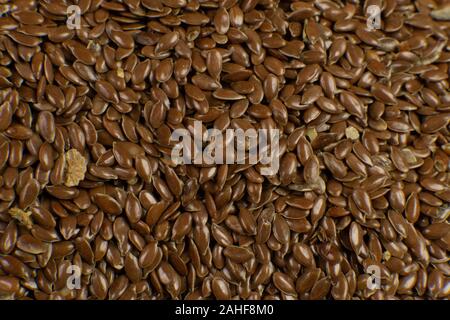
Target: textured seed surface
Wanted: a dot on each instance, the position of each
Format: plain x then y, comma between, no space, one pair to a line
76,167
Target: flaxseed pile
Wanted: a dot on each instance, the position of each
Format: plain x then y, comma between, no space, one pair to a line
92,206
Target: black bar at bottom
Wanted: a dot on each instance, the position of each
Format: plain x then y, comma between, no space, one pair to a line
178,310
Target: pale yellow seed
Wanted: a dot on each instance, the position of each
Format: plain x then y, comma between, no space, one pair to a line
24,217
351,133
120,73
311,133
76,167
5,8
442,13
